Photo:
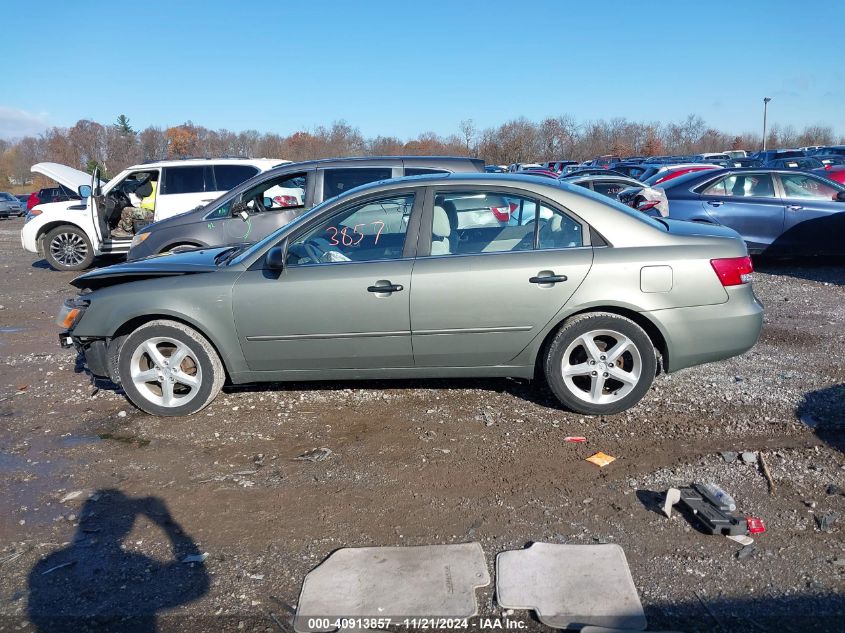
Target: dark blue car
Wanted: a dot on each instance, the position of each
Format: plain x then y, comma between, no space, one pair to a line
778,211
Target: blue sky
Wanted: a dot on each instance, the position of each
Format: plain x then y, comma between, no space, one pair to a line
401,68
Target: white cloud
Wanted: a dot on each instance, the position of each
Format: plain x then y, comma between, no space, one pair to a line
15,123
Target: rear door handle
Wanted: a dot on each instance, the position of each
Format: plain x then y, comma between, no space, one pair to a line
794,207
548,279
386,287
715,203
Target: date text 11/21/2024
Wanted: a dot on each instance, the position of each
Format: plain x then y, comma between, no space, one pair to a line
421,623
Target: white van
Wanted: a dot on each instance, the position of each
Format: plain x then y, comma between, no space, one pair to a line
69,235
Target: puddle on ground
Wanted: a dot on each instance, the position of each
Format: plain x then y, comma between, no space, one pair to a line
129,440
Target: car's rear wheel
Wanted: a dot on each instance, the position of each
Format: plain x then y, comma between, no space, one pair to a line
600,364
167,368
67,248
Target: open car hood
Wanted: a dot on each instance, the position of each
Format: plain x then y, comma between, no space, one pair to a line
71,178
167,265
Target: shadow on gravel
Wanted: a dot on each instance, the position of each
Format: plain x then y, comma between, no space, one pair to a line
803,613
821,269
42,264
96,584
823,410
534,391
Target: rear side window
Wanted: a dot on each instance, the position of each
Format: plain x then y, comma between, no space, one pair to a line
230,176
338,181
188,179
421,171
801,186
472,222
743,186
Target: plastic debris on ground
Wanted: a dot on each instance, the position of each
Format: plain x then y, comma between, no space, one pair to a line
601,459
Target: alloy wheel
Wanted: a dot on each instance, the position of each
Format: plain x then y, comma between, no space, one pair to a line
69,249
601,366
166,372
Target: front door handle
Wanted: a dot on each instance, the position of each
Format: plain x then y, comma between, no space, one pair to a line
385,287
794,207
715,203
548,279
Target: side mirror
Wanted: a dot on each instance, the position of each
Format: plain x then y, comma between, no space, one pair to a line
84,191
267,202
841,196
240,210
275,258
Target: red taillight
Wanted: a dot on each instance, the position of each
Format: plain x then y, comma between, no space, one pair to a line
734,271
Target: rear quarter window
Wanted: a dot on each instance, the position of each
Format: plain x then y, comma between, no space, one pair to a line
338,181
230,176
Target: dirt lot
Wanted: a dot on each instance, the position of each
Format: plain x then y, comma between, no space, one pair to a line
424,462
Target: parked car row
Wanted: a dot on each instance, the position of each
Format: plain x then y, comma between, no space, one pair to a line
10,205
261,199
70,235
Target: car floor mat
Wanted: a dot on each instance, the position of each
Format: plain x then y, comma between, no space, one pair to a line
392,582
570,586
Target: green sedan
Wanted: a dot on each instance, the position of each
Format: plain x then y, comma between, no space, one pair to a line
453,275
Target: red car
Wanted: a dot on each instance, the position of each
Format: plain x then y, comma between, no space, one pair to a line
836,172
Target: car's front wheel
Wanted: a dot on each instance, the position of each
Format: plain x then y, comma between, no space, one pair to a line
600,364
68,248
167,368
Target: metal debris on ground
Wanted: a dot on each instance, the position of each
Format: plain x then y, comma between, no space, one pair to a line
713,512
63,565
195,558
601,459
315,455
71,496
746,551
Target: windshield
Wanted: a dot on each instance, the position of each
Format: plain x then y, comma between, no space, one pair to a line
258,246
7,196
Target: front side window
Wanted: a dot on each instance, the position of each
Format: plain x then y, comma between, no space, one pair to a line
802,186
274,194
338,181
743,186
491,222
370,231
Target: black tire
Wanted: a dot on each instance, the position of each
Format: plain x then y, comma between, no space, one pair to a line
203,360
67,248
638,366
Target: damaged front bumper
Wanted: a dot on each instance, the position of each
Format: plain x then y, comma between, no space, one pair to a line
93,352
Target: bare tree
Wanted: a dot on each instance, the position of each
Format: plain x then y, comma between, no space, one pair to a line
468,132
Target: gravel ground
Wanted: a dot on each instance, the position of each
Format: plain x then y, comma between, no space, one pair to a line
101,501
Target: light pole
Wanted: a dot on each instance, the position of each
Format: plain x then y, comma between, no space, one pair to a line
765,108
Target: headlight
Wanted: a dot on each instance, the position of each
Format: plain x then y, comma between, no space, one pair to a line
140,237
70,312
31,214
